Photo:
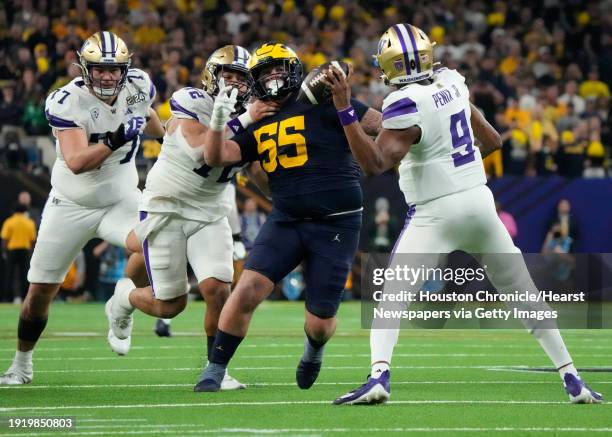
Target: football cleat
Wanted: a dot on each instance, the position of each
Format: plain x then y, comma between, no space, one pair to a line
210,378
374,391
306,374
207,384
231,383
17,375
120,347
162,329
579,392
119,320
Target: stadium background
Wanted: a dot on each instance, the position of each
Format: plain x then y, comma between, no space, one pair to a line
540,70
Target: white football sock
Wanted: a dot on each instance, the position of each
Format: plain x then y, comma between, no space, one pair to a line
569,368
23,359
382,342
378,369
123,297
553,345
167,321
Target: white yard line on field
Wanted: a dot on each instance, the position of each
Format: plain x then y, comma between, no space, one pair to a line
113,357
299,345
191,369
268,403
198,430
554,381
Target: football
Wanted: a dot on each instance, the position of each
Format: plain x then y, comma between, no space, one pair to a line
313,91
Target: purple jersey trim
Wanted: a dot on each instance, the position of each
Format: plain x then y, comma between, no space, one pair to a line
409,215
59,122
145,250
401,107
174,106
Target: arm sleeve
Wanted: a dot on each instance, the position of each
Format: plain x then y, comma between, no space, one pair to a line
248,146
400,112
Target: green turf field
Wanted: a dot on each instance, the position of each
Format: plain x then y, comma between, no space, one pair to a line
443,382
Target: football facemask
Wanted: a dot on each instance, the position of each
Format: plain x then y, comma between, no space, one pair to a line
108,51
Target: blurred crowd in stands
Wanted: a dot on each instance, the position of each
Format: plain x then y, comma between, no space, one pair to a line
540,70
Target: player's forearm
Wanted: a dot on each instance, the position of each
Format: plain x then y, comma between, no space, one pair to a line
485,133
486,150
364,149
88,158
213,147
154,125
259,177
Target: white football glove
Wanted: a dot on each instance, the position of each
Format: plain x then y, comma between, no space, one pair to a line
239,251
225,104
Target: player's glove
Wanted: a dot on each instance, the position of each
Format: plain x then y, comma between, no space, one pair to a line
125,132
225,104
239,251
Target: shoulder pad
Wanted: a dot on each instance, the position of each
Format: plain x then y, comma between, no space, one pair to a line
399,111
62,107
141,80
450,74
191,103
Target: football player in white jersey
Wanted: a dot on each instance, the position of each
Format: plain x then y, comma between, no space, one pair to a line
429,127
185,207
97,120
162,326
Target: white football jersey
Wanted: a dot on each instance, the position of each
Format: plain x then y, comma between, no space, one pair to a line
176,184
445,160
74,106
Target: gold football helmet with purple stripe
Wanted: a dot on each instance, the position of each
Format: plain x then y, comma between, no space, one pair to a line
405,55
230,58
104,49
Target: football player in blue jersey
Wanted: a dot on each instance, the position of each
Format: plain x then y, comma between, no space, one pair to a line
317,205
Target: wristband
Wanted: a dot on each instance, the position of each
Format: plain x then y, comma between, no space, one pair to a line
347,116
239,124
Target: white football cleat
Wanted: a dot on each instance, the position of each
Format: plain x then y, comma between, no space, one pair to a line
579,392
374,391
231,383
17,375
119,320
120,347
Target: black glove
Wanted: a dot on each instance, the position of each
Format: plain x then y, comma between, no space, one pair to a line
125,133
